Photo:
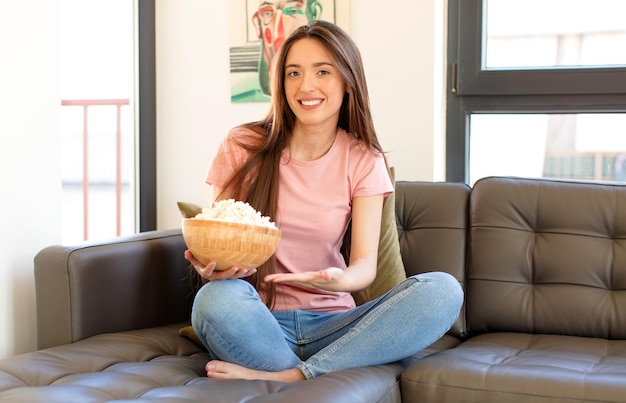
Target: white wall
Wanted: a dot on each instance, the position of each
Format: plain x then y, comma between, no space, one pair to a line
30,165
403,56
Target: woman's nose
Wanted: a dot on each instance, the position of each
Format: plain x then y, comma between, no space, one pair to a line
309,82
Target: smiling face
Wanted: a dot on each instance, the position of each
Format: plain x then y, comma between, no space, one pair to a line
314,87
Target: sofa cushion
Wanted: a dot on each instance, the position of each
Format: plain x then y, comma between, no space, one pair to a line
547,256
103,367
188,210
158,364
516,367
433,225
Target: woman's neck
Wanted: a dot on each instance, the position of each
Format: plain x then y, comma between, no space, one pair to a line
309,145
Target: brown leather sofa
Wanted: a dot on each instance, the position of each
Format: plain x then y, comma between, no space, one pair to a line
543,263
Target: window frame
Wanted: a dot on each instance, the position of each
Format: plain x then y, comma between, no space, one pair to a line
146,77
472,89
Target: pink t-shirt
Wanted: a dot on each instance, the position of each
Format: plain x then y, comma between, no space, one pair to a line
314,210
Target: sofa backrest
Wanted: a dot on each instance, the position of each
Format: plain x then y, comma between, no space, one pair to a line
547,256
432,228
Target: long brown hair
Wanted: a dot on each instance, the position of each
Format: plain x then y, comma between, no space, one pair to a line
257,181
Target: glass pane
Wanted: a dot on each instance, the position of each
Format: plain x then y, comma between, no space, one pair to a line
574,146
97,118
554,33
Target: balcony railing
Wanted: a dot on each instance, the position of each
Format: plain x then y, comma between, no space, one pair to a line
589,165
86,104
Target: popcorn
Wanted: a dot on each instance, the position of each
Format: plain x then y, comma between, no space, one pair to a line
230,210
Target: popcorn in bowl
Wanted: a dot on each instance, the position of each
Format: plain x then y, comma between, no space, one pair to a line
231,210
231,233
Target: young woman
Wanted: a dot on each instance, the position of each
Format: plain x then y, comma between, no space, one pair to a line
314,165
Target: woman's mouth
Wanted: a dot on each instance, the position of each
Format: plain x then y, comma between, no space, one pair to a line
310,102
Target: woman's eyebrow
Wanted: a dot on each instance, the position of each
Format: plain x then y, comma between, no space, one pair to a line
317,64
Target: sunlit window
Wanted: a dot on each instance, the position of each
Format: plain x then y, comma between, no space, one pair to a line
550,33
571,146
97,127
536,88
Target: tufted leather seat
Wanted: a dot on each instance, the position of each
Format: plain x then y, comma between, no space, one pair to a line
158,364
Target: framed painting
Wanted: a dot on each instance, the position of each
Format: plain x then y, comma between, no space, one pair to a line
259,27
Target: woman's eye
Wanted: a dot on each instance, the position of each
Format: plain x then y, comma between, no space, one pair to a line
292,74
323,72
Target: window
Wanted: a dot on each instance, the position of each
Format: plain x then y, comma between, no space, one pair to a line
99,100
554,33
536,88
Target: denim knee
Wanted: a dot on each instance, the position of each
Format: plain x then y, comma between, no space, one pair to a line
221,296
447,291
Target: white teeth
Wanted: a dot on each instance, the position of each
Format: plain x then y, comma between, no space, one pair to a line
310,103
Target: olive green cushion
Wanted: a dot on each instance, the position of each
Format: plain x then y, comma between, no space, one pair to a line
189,210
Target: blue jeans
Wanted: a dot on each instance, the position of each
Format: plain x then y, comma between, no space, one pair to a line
236,326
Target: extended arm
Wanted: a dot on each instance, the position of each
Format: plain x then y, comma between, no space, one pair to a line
361,271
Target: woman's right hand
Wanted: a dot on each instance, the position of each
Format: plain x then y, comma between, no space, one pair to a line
208,271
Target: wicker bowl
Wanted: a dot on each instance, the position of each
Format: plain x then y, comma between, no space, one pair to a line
228,243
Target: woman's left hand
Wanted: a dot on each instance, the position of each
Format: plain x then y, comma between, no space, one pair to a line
327,279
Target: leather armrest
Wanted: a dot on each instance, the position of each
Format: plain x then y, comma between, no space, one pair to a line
121,284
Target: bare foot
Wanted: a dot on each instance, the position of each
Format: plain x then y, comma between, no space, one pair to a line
226,370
